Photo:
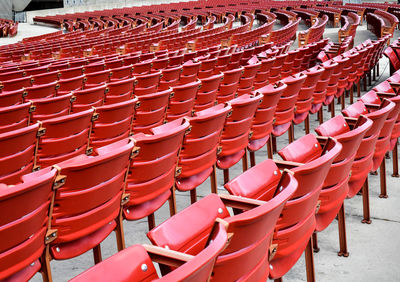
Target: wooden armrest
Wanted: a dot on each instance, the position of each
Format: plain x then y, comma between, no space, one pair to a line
167,257
287,164
240,202
353,122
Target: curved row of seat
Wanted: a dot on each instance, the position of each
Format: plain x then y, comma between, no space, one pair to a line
314,33
294,197
349,25
381,23
8,28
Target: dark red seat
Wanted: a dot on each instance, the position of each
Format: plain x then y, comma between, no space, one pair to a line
207,93
15,117
182,100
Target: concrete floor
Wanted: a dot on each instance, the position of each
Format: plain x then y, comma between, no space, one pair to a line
27,30
374,249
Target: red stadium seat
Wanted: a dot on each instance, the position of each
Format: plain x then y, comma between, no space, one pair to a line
207,94
152,173
136,262
114,123
88,98
71,84
41,91
24,227
47,108
120,91
12,98
87,206
229,85
182,100
199,149
15,117
246,257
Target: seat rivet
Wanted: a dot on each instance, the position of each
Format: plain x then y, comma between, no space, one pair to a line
271,267
220,210
166,247
344,125
316,145
127,211
33,263
275,172
58,249
144,267
281,188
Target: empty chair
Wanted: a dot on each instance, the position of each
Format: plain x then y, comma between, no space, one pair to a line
236,133
288,64
88,98
15,117
222,62
143,67
188,231
53,107
41,91
333,84
207,67
15,84
95,78
87,204
175,60
148,83
320,90
262,76
199,149
363,162
151,176
160,63
151,111
70,84
94,67
136,262
71,72
312,159
229,85
17,153
170,77
247,78
12,98
24,228
45,78
275,71
305,96
207,94
349,133
182,100
123,72
383,144
190,71
262,123
114,123
284,113
119,91
64,137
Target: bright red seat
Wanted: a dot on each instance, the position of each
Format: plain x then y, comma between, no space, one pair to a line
119,73
17,153
207,94
15,117
41,91
262,123
71,84
229,85
182,100
119,91
262,76
96,78
247,78
88,98
87,204
363,162
284,113
170,77
45,78
24,227
275,72
64,137
15,84
71,72
136,263
190,71
12,98
152,173
151,111
312,160
207,67
114,123
349,132
246,257
199,149
47,108
236,133
146,84
305,96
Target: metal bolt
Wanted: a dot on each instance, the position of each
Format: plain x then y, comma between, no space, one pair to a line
220,210
275,172
58,249
33,263
344,125
144,267
127,211
166,247
316,145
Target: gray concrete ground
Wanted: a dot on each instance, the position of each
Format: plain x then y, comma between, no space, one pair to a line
27,30
374,249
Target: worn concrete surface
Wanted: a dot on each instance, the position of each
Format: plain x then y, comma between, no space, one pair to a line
374,249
